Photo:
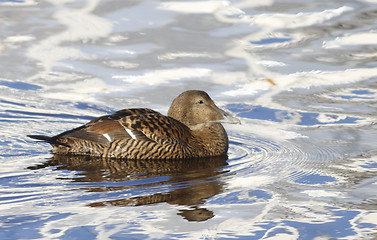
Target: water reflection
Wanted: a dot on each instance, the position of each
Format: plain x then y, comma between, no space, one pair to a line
294,117
186,183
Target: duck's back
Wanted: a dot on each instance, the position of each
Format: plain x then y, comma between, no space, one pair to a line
130,133
192,129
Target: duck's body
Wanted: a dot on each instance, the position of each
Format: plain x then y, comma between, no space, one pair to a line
192,129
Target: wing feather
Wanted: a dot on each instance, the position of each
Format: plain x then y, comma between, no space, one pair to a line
158,125
135,124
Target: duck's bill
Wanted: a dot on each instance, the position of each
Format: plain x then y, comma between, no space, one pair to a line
227,118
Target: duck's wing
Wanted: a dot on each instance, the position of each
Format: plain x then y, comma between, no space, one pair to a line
154,126
137,124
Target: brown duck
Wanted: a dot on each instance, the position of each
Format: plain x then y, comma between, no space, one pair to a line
192,129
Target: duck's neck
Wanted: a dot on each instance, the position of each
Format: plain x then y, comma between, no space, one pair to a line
211,138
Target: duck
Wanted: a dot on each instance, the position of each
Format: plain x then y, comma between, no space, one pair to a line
192,129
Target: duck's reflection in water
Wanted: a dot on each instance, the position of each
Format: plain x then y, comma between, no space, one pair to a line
183,182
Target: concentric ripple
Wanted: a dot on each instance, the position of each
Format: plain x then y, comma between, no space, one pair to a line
303,163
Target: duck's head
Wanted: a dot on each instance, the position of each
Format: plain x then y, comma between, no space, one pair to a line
195,108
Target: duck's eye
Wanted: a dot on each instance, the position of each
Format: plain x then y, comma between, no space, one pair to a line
200,102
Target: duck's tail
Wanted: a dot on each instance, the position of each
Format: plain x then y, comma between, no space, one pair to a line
50,140
42,138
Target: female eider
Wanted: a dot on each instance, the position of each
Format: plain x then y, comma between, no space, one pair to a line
192,129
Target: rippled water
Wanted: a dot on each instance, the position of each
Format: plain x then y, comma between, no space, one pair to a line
301,76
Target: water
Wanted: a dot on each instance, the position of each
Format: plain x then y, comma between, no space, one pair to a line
301,76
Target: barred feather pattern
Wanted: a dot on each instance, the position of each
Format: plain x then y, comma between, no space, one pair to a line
191,130
158,148
162,138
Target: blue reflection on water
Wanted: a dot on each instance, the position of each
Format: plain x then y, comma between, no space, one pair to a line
19,85
369,165
86,106
255,195
362,92
28,115
15,1
315,179
338,228
277,115
81,232
30,225
260,194
350,97
271,40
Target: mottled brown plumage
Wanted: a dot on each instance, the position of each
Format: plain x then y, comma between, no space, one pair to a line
192,129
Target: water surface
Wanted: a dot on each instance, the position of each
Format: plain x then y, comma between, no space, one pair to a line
300,75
